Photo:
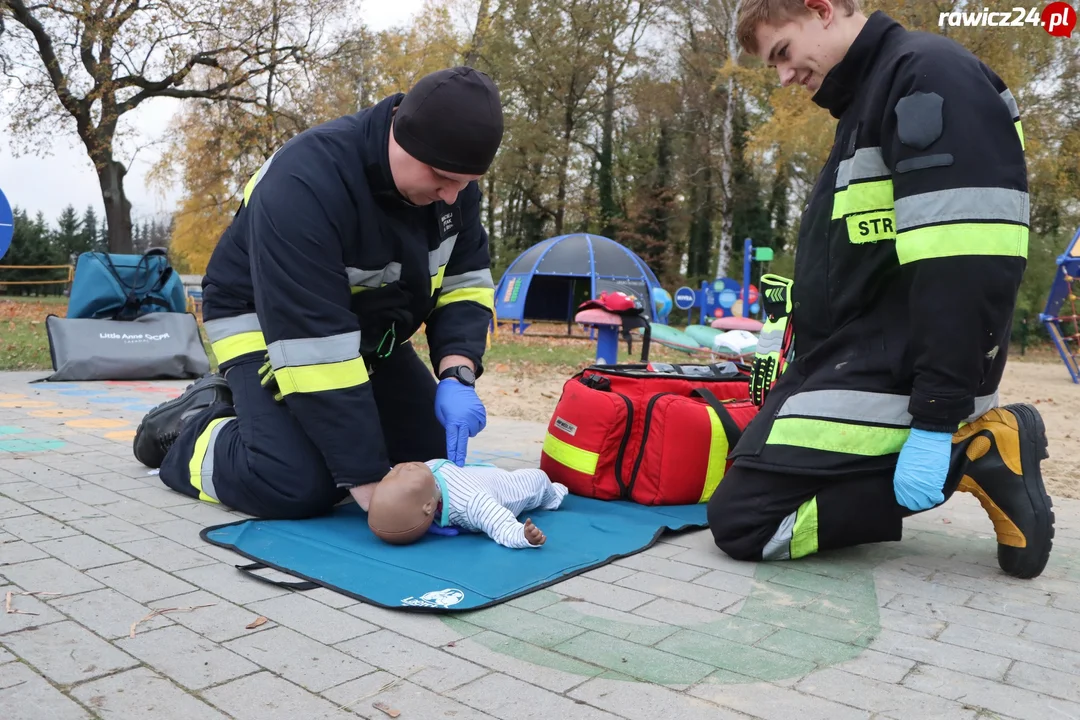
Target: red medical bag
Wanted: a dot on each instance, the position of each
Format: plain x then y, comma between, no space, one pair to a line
625,432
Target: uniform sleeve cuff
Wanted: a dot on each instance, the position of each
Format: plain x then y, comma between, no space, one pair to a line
351,482
939,414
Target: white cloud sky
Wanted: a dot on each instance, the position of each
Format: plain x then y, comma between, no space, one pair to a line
66,177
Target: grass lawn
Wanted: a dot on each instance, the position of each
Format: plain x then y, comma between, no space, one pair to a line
24,344
546,348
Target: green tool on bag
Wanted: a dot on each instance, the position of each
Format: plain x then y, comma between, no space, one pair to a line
769,360
268,380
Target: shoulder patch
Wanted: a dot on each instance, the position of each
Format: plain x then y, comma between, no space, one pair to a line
919,119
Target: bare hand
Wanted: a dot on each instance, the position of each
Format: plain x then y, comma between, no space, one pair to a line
533,534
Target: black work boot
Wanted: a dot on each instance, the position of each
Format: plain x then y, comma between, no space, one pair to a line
161,425
1003,450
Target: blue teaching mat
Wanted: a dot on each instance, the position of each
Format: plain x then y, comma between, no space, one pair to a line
449,573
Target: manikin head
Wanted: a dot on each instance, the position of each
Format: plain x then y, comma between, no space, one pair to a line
403,505
444,134
802,39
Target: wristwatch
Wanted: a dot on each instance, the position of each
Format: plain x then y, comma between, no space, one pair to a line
462,373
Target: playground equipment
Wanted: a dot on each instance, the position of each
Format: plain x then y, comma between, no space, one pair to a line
7,224
552,278
725,297
1062,316
662,304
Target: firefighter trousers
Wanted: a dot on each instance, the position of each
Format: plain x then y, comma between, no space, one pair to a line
262,462
764,515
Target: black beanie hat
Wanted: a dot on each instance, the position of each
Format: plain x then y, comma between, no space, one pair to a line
452,120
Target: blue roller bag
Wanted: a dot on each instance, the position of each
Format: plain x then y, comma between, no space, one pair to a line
124,287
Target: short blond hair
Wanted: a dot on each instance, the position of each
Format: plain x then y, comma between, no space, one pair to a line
775,12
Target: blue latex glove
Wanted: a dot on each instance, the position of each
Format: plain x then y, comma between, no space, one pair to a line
460,411
922,469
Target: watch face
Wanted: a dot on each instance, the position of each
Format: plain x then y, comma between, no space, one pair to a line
466,375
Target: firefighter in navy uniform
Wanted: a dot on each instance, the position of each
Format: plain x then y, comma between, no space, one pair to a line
878,369
350,237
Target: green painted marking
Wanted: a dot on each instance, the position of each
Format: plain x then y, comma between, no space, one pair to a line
30,445
536,655
10,430
536,601
800,615
523,625
726,655
637,661
618,624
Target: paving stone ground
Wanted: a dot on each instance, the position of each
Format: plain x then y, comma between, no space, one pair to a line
90,542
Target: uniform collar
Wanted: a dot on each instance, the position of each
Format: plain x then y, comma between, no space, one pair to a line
845,79
377,166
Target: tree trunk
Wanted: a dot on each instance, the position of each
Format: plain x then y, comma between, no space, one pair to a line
117,208
605,184
490,204
700,241
723,254
564,167
473,53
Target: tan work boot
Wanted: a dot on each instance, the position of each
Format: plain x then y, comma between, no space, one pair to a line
1004,449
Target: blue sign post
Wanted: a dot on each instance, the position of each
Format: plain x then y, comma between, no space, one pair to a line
7,224
684,299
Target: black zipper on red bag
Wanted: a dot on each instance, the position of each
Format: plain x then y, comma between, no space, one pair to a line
644,438
604,385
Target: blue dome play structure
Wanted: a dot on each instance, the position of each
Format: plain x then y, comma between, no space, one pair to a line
549,280
1062,316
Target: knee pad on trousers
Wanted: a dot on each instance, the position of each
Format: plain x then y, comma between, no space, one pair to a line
732,534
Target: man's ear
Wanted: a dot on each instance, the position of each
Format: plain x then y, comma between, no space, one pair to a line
822,10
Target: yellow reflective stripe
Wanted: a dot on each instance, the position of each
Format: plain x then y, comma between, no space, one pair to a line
319,378
250,186
829,436
1020,132
437,279
863,197
962,239
718,452
483,296
572,457
804,536
234,346
195,465
871,227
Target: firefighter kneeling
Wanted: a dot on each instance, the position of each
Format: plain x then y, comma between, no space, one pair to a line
878,370
350,237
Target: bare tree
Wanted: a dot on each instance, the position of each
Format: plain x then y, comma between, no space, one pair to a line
91,62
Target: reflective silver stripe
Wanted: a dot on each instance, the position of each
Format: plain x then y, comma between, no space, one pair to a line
1010,102
867,163
227,327
473,279
314,351
206,471
374,278
864,406
969,203
779,545
770,341
441,255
